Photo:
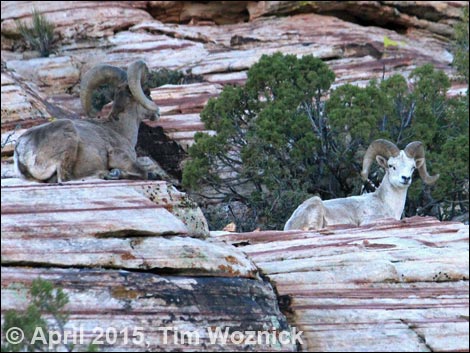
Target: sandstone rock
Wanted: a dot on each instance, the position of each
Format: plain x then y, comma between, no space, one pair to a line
156,49
52,75
76,20
177,203
130,255
393,285
106,208
188,256
184,99
323,36
191,33
23,105
8,145
219,12
17,105
159,308
436,16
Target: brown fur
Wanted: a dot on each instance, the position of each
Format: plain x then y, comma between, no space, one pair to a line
73,149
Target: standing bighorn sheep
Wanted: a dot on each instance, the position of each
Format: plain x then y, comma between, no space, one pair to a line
387,201
72,149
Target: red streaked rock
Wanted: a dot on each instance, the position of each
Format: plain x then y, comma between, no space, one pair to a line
392,285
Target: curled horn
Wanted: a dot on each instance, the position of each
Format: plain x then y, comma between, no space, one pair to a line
137,73
97,76
416,150
380,147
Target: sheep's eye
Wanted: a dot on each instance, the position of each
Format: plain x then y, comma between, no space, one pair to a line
391,166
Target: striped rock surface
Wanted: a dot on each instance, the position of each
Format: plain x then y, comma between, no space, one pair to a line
169,312
391,286
136,264
102,208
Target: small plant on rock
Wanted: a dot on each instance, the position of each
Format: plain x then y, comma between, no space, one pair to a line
40,36
45,301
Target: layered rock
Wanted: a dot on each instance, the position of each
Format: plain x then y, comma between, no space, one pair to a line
75,20
128,256
434,16
47,73
23,106
390,286
132,256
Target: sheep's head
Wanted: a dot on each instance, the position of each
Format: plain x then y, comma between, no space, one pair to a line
130,91
399,165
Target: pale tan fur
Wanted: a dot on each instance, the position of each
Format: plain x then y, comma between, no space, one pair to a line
388,201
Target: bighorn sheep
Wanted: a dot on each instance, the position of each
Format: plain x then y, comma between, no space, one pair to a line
72,149
387,201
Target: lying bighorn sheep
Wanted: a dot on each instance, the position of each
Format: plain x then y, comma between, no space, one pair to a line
72,149
387,201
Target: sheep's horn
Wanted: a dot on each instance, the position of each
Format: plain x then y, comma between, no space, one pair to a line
378,147
416,150
137,73
95,77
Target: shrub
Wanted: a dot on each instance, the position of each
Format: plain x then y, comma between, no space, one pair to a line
164,76
45,300
40,36
278,140
264,151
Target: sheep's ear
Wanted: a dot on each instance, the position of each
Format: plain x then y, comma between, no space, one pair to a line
419,162
382,161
